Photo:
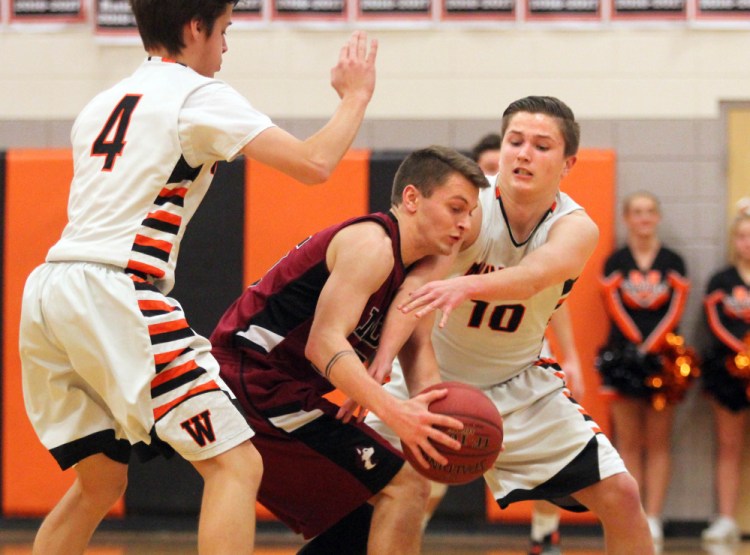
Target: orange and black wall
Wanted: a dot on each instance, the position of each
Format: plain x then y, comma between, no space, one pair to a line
251,216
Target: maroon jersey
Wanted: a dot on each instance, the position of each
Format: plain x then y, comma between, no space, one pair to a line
270,323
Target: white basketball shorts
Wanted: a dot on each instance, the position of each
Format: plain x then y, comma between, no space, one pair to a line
552,447
106,358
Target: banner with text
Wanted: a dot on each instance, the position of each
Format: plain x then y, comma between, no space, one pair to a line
47,11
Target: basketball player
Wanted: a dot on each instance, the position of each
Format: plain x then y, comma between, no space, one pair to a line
545,517
108,359
306,327
532,244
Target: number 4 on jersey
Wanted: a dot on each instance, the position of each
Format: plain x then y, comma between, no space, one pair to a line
109,144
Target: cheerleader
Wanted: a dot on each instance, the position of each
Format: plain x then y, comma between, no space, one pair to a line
645,290
726,371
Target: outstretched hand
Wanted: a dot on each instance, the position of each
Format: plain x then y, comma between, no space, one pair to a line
355,71
443,295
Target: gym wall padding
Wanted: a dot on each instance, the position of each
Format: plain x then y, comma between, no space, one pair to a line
251,217
2,319
36,194
383,166
281,212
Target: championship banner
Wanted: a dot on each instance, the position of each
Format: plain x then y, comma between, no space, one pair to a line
309,10
395,10
653,10
248,10
114,17
47,11
578,10
728,10
478,10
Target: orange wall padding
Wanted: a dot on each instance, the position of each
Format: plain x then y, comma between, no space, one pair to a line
36,192
280,212
591,183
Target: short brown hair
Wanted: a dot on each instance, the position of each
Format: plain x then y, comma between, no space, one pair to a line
430,167
160,22
550,106
491,141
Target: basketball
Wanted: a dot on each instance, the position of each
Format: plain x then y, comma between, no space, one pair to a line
481,438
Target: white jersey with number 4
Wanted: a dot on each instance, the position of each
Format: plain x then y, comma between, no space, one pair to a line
144,153
486,343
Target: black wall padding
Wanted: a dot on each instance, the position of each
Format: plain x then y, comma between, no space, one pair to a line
209,278
383,166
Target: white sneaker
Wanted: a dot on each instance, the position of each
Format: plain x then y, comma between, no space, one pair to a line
721,548
723,529
655,527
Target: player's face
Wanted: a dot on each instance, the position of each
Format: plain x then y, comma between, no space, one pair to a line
532,154
214,45
642,216
742,240
445,216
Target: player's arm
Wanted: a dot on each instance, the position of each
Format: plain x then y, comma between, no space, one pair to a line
561,325
397,329
570,243
417,357
359,259
314,159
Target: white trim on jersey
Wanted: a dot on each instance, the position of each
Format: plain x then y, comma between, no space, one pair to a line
262,337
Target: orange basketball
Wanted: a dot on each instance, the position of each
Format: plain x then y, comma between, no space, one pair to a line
481,439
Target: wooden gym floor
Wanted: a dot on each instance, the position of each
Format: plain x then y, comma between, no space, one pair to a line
16,540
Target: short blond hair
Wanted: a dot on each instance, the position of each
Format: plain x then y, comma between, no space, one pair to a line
628,200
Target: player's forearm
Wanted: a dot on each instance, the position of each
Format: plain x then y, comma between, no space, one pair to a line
329,145
562,327
351,378
420,372
516,283
334,357
395,333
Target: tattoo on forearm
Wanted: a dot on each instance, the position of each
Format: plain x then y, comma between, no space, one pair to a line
334,359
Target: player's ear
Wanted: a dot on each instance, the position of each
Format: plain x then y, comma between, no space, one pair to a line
410,198
570,161
193,29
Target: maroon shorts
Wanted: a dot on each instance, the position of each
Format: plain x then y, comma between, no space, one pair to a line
316,469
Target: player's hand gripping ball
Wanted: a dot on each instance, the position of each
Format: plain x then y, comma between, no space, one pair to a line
481,439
